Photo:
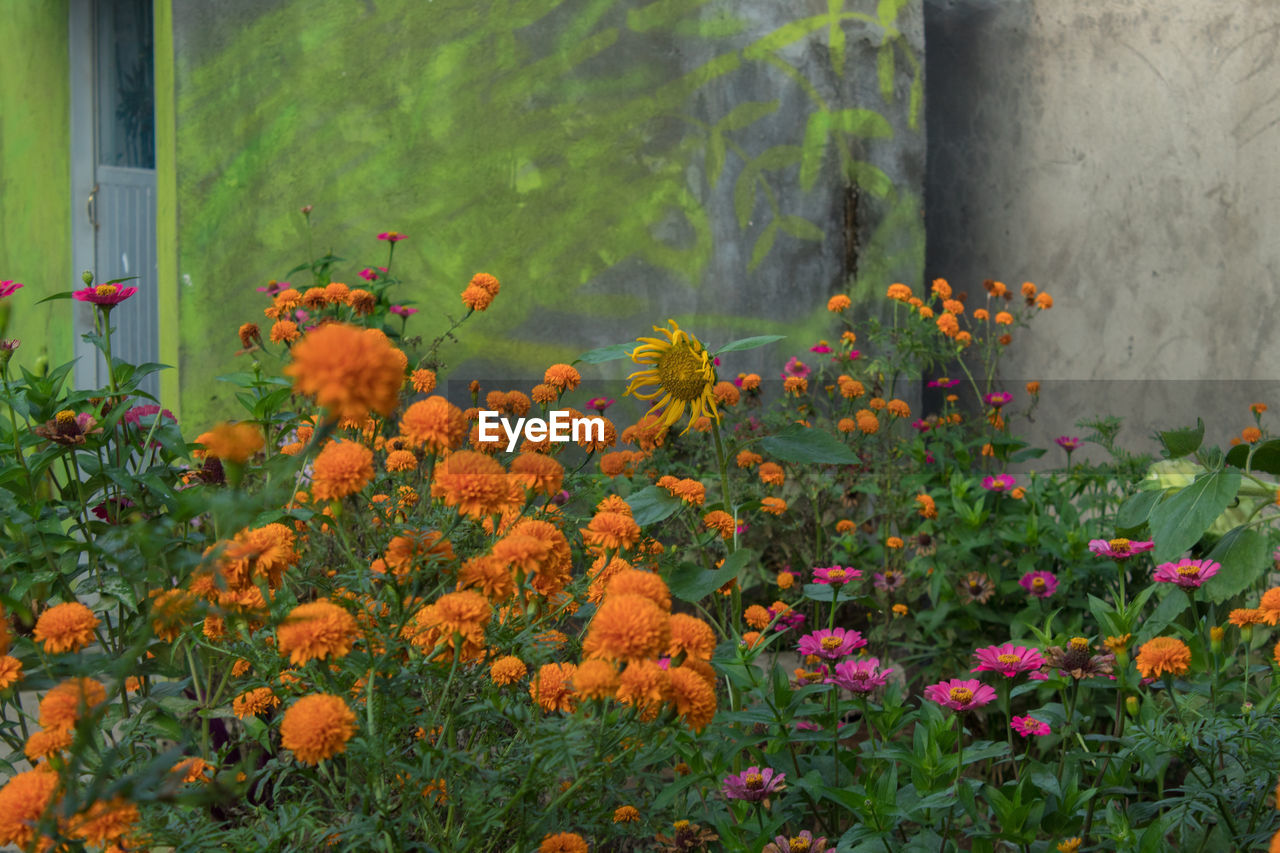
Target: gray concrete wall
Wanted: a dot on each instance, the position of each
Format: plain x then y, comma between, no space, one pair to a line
1122,155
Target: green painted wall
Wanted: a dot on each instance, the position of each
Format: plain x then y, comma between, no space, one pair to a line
35,180
613,162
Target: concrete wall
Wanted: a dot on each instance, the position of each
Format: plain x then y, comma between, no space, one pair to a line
1124,156
35,182
730,164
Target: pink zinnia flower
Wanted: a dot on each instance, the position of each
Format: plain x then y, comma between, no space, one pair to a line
1188,574
1039,584
1002,483
105,295
403,311
392,236
370,275
836,574
821,347
1029,726
960,694
784,619
1008,660
921,425
889,580
943,383
753,784
831,644
1067,442
803,843
273,287
996,399
1119,549
795,367
600,403
861,675
8,287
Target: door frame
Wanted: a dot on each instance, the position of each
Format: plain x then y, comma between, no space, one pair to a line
84,128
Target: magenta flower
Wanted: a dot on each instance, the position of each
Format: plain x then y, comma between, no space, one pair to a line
1002,483
8,287
795,367
960,694
1008,660
1030,726
754,784
821,347
835,574
831,644
1068,442
1119,549
1188,574
889,580
861,675
1039,584
921,425
273,287
802,843
403,310
105,295
369,274
806,726
943,383
600,403
392,236
135,415
996,399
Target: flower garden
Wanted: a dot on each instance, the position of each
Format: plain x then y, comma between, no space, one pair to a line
841,607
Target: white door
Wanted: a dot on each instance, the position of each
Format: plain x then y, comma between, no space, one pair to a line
113,174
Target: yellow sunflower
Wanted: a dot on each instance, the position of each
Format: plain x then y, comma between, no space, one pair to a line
681,368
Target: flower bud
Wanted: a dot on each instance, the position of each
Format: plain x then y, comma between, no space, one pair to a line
1131,705
87,277
1215,638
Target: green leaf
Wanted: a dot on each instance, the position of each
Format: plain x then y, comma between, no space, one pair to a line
715,157
884,70
801,228
814,148
1244,558
746,114
865,123
1178,522
691,582
652,504
870,178
1170,608
66,294
1135,511
887,11
613,352
1183,442
763,244
1266,456
796,443
750,343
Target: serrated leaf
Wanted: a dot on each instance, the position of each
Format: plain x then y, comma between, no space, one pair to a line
801,228
1183,442
1179,521
1266,456
1244,558
763,244
652,504
612,352
691,582
750,343
796,443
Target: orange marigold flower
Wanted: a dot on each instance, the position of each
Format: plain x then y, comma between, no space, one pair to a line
719,521
981,314
1251,434
250,335
899,292
1242,618
838,303
434,423
193,770
232,442
690,491
507,670
253,702
867,421
691,636
476,298
947,324
314,298
595,679
23,801
1161,655
401,460
474,483
751,639
785,580
563,842
771,474
317,727
941,288
170,611
1028,289
756,616
1257,408
693,697
776,506
628,814
348,371
543,393
846,425
926,313
747,459
284,332
463,614
893,542
489,575
10,671
1044,301
43,744
341,469
953,306
105,822
538,473
316,630
750,381
844,525
795,385
876,403
240,667
629,581
423,380
850,388
612,531
1004,318
899,610
1270,605
627,627
562,377
602,573
550,688
899,408
726,393
66,627
645,684
928,509
1033,388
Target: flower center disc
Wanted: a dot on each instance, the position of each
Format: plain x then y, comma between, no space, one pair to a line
754,782
830,643
106,290
962,695
1008,659
682,373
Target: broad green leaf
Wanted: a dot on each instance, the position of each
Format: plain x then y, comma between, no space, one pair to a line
747,114
613,352
796,443
869,178
1266,456
749,343
763,244
1135,511
690,582
1183,442
1169,609
652,504
1244,558
814,148
865,123
801,228
1179,521
66,294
